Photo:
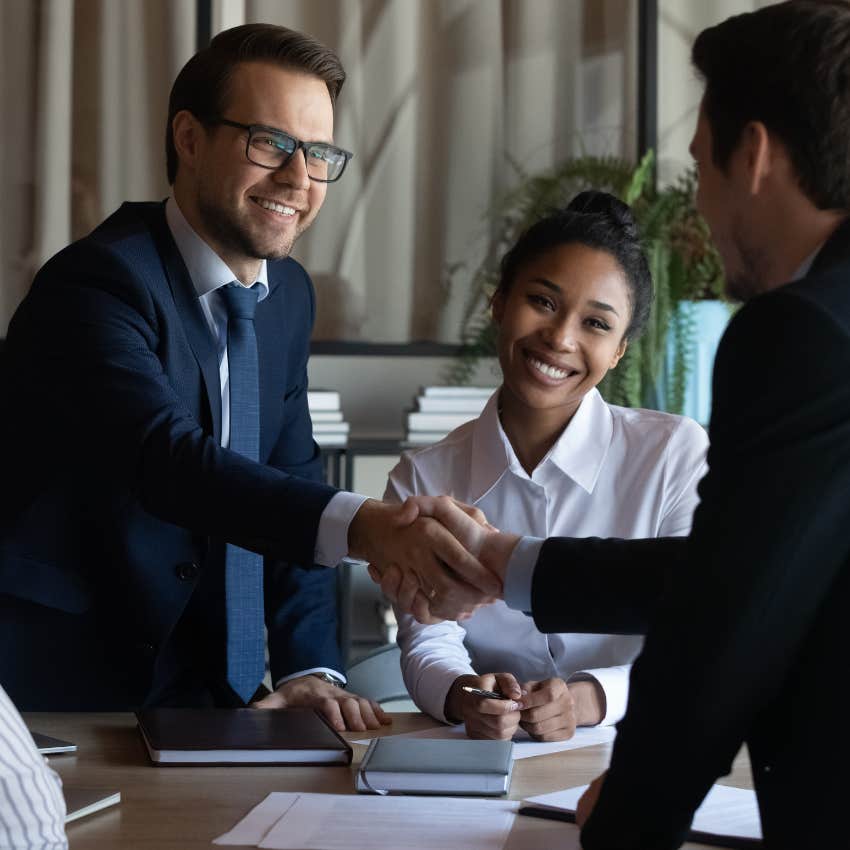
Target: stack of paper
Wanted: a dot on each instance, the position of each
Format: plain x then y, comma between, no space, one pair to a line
725,812
329,428
348,822
442,409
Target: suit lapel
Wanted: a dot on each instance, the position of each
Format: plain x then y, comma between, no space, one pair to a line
272,330
191,315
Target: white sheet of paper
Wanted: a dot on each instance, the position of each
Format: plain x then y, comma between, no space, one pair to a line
724,811
545,835
524,747
252,829
355,822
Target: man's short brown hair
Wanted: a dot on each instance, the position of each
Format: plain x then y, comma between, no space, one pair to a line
787,66
203,84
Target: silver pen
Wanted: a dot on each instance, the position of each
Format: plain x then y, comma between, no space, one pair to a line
478,692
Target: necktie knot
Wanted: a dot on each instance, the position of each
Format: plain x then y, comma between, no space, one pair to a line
241,301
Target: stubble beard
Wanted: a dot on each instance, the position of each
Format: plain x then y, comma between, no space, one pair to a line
744,280
232,233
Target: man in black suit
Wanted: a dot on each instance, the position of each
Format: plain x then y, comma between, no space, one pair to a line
748,618
155,439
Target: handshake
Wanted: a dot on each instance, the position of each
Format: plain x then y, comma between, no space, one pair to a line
435,558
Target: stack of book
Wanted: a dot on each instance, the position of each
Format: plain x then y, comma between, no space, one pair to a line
442,409
329,428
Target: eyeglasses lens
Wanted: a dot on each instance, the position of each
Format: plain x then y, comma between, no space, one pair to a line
272,150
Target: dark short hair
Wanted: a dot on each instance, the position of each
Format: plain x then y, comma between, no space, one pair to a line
787,66
202,86
597,220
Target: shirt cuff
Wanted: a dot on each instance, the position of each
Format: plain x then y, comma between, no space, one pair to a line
520,572
433,686
332,537
614,682
300,673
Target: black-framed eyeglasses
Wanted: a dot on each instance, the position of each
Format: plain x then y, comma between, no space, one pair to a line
271,148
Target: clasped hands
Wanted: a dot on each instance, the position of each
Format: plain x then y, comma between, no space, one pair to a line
548,710
434,557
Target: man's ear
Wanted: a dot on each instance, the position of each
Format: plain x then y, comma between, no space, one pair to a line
188,134
759,151
618,354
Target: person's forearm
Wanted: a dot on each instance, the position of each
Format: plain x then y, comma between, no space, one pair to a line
603,586
452,710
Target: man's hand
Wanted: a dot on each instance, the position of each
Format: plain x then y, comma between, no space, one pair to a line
468,525
588,800
553,709
429,573
343,710
486,718
430,603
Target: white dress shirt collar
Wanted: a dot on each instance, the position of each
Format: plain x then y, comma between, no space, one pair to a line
806,265
579,453
206,269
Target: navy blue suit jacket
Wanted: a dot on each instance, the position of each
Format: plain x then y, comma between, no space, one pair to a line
748,618
114,481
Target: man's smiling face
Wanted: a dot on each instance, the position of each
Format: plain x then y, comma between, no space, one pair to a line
248,212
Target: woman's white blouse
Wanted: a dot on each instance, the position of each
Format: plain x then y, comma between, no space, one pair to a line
614,472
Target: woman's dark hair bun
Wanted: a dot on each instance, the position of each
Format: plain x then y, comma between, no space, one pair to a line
594,202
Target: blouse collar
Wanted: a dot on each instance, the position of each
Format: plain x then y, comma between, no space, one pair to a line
578,453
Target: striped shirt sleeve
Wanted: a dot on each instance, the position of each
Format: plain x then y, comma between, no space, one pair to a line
32,808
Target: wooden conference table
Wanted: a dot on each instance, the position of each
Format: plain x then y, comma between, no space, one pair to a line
184,808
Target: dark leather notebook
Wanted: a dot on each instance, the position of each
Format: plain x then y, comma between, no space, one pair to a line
183,736
80,802
48,745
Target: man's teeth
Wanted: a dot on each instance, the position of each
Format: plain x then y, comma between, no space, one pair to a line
275,207
546,369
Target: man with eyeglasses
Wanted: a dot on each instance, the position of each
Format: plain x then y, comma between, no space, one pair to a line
156,443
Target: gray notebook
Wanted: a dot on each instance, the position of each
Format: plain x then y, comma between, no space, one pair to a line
415,766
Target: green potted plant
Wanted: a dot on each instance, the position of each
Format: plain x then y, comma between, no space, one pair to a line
685,268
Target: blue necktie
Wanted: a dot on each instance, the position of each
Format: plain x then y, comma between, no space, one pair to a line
243,570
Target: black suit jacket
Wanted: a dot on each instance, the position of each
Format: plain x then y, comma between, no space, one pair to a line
115,487
747,617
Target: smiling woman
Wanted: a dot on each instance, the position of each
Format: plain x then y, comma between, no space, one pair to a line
546,457
573,291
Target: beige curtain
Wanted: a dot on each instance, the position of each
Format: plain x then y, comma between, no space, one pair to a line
679,90
439,94
84,90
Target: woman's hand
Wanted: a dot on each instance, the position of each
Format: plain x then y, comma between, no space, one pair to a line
550,712
485,717
553,709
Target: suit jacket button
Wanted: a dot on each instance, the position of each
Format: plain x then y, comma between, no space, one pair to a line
187,571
